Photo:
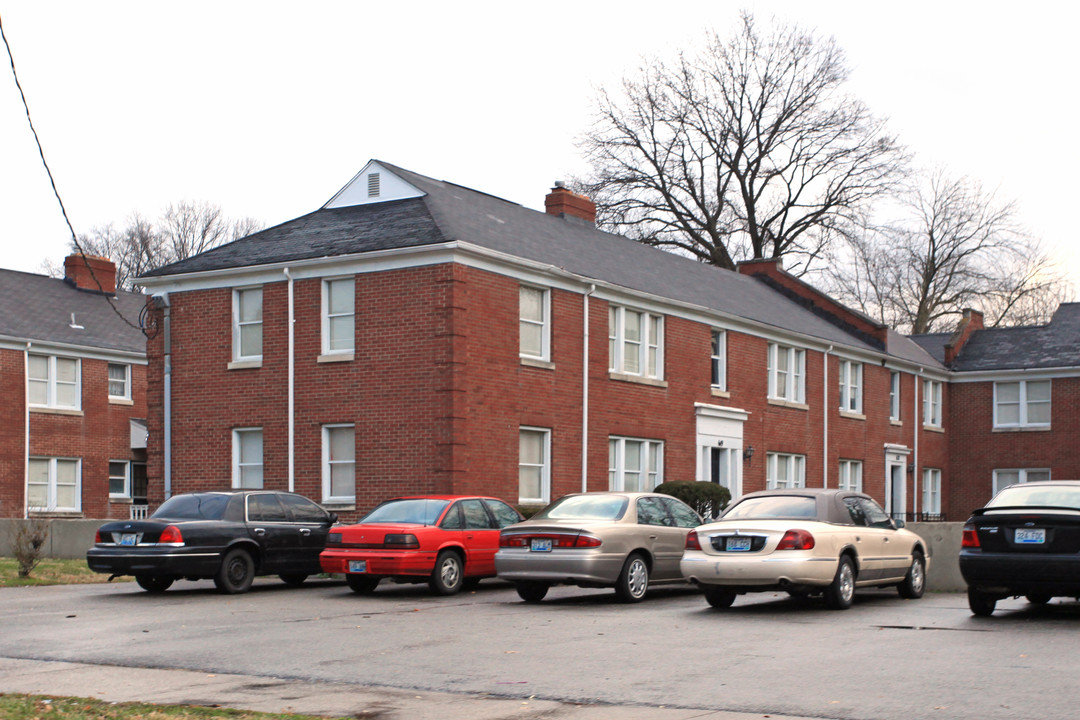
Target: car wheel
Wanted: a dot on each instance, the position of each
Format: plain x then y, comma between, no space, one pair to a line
914,584
531,592
293,579
633,581
154,583
841,592
236,572
362,584
718,597
448,576
1038,598
980,603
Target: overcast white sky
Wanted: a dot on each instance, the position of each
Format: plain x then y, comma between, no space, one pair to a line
268,108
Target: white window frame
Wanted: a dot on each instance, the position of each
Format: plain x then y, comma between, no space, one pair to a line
649,347
328,317
126,494
786,366
51,382
894,395
851,384
544,465
237,465
126,395
931,491
51,491
794,466
850,475
652,462
932,403
328,464
1024,404
1021,474
544,323
718,368
237,324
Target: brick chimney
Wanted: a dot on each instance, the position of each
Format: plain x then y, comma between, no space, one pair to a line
90,272
568,204
969,323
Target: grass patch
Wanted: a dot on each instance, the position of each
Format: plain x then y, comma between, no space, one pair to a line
39,707
50,572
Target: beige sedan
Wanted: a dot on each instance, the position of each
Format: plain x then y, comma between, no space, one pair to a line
623,540
805,542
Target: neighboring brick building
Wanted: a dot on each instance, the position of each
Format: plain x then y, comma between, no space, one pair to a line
417,336
1015,397
73,383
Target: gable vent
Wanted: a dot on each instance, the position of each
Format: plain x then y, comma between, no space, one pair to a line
373,185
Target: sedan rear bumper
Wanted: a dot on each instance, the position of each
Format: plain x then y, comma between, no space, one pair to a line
171,562
1021,574
385,563
764,571
576,566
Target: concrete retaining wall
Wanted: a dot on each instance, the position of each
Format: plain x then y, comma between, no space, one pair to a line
67,538
943,543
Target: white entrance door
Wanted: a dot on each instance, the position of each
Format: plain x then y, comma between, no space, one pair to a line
896,457
720,443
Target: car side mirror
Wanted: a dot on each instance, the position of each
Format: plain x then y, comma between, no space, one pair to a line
898,523
332,517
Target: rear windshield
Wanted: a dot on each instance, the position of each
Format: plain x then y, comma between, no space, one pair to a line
199,506
585,507
1038,495
416,511
776,506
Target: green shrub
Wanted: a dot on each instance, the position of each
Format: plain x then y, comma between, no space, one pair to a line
708,499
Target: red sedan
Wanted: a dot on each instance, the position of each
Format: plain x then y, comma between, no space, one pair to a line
444,540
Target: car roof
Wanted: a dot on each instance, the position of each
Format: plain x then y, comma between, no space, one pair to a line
830,507
443,497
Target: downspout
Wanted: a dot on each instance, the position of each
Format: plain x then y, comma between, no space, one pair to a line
26,432
915,450
825,423
167,352
585,393
292,388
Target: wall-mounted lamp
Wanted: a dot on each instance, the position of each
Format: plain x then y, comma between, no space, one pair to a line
911,468
748,454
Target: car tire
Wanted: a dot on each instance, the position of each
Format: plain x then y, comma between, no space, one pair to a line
448,575
293,579
236,572
154,583
362,584
531,592
914,584
981,604
718,597
633,581
1038,598
841,592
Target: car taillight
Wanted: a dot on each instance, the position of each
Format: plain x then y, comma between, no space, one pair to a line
558,540
171,534
585,540
796,540
333,539
513,541
692,541
401,541
970,538
97,537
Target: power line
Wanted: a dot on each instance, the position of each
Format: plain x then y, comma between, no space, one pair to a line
52,182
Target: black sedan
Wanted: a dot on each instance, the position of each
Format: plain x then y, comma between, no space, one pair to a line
1026,541
229,536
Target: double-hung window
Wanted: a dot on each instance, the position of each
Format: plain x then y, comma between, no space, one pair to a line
54,382
1022,404
784,471
719,360
339,463
119,479
635,342
119,381
635,464
932,403
247,471
850,475
534,324
1005,478
894,396
931,493
247,324
338,316
54,484
534,465
787,373
851,374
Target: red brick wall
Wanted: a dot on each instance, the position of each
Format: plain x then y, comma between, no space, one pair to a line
12,433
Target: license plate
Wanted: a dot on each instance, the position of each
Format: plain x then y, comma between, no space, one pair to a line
1030,537
540,545
127,539
738,544
358,566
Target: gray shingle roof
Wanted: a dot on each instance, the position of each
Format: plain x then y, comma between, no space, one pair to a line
39,309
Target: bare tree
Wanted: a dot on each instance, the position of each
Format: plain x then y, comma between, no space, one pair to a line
747,150
136,248
954,246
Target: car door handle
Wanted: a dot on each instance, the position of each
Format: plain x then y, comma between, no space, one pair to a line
305,531
652,537
259,531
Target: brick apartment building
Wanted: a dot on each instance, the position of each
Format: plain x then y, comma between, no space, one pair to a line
416,336
73,383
